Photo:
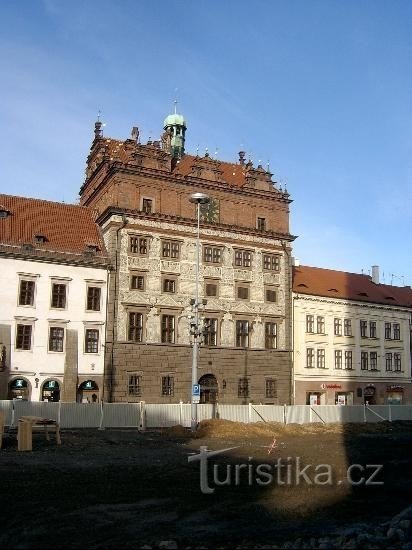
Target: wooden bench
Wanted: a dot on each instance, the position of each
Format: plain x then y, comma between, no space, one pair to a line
25,430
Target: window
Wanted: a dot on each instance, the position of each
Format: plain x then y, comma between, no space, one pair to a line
243,387
170,249
388,361
364,329
374,360
397,362
338,359
26,293
135,328
348,360
243,292
243,258
347,327
388,331
168,329
212,254
320,324
210,332
271,262
271,390
135,385
93,298
58,296
56,339
242,334
137,282
169,285
211,288
396,331
91,341
364,360
310,358
372,329
138,245
270,295
168,384
337,323
310,323
23,336
261,224
147,206
271,335
320,359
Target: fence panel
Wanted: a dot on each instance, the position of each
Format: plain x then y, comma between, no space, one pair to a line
80,415
160,415
297,414
7,408
35,408
377,413
336,413
267,413
207,411
236,413
401,412
121,415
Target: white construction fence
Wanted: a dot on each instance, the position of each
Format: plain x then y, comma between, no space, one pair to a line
148,415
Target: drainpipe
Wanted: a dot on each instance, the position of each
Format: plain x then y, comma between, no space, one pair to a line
291,322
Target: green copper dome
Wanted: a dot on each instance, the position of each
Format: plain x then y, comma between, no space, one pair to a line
174,120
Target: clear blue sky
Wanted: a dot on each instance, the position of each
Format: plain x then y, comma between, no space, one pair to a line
321,89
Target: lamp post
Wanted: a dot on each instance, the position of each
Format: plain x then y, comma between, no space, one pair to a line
198,199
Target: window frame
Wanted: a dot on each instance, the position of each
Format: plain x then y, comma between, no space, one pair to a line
396,331
211,282
135,275
321,358
373,329
348,359
62,284
32,295
216,254
94,287
169,284
58,339
136,387
271,261
261,223
167,385
138,245
273,289
242,333
243,387
243,286
320,324
135,328
172,245
243,258
388,361
373,360
88,341
210,337
143,204
22,347
271,389
337,326
310,358
165,330
397,362
364,360
310,323
363,326
347,327
271,336
338,359
388,331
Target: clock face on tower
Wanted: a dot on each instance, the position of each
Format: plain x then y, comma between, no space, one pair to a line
210,212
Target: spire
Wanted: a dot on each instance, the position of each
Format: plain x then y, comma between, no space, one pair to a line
175,125
98,132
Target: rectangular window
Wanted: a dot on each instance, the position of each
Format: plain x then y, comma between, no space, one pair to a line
171,249
137,282
348,360
310,358
212,254
26,293
210,289
135,328
243,387
320,359
397,362
210,332
261,224
337,323
135,385
320,324
338,359
242,334
271,335
168,329
243,258
388,331
169,285
364,329
243,292
310,323
373,360
56,339
396,331
91,341
372,329
388,361
93,298
23,336
147,206
58,296
271,262
138,245
271,389
364,360
347,327
168,385
270,295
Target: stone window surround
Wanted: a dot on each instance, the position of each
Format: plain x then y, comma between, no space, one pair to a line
27,277
145,197
211,281
242,284
169,277
138,235
59,281
136,308
138,272
57,323
24,321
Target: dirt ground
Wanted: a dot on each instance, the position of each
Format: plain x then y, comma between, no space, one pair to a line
123,488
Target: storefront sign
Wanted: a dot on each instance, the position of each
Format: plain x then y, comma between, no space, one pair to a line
394,388
330,386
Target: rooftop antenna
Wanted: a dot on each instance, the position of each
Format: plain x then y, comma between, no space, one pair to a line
98,115
267,166
175,101
216,152
197,150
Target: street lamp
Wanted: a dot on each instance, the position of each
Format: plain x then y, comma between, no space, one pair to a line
198,199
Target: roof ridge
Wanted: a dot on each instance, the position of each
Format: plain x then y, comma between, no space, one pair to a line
46,201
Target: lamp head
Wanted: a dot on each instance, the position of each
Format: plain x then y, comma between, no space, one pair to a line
199,198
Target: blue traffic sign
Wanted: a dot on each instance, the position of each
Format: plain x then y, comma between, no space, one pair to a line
196,390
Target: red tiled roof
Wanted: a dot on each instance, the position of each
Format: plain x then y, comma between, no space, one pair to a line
350,286
232,174
67,227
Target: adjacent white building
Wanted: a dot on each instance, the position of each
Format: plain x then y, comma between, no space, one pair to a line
352,339
53,273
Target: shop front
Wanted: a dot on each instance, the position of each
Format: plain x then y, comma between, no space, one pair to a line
50,391
394,395
88,392
19,388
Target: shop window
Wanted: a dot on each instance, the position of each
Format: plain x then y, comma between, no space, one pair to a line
344,398
50,391
19,389
313,398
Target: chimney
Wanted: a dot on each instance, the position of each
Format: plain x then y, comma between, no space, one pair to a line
375,274
295,261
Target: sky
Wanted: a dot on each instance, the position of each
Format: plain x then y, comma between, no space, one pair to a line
319,89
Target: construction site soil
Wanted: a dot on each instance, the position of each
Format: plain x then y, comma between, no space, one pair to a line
130,489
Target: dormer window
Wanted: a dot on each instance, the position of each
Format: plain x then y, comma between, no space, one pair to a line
40,239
